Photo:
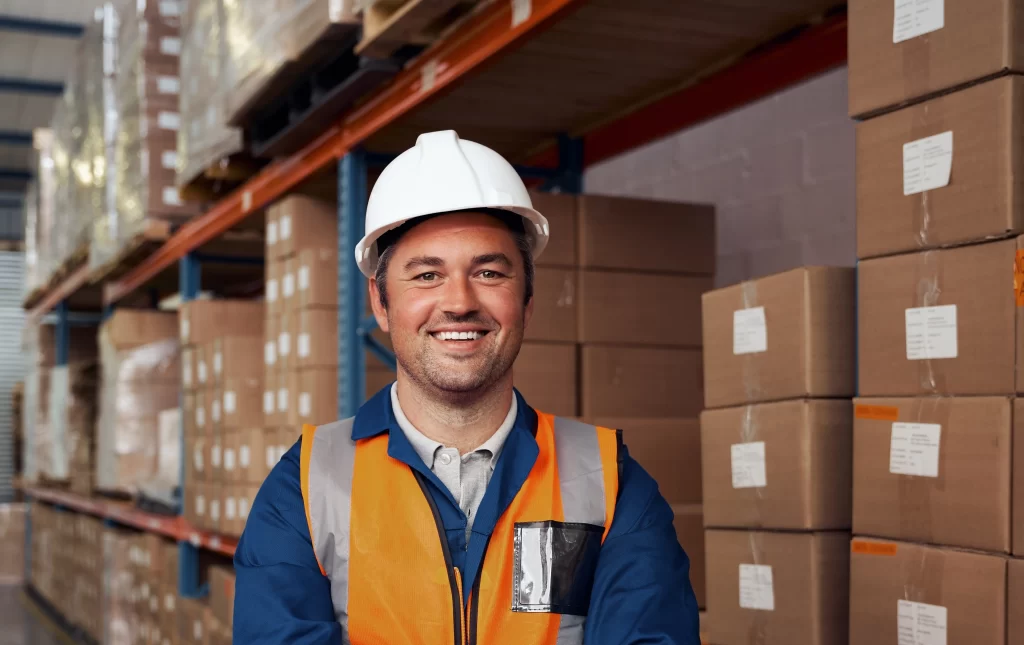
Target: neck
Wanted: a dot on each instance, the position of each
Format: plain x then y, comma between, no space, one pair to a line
464,421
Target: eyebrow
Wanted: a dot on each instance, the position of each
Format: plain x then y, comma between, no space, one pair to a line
493,258
423,261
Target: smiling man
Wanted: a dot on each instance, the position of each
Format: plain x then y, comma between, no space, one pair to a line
448,510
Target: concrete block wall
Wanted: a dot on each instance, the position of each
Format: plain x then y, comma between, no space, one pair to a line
780,172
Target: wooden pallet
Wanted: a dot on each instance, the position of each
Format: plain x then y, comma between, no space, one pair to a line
389,25
141,246
220,178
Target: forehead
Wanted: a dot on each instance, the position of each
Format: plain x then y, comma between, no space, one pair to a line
455,234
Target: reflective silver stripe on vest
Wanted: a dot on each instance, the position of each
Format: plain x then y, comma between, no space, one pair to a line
330,508
580,473
570,630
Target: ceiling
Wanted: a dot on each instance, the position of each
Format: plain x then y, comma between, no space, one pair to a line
38,40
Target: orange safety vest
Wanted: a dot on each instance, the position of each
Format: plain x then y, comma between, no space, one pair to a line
378,537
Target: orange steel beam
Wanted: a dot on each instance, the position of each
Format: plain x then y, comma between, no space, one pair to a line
70,285
484,35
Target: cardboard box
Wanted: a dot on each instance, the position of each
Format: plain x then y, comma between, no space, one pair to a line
316,402
195,504
788,335
130,328
215,459
559,209
230,446
188,414
193,619
640,308
668,449
546,375
202,354
1015,602
272,235
270,339
950,310
215,507
555,306
945,483
222,594
316,342
617,381
287,358
782,465
243,402
892,582
289,290
203,320
203,424
272,416
216,408
378,375
975,202
305,222
316,279
236,356
973,41
646,235
689,525
189,382
230,523
272,288
196,449
777,588
256,455
1017,484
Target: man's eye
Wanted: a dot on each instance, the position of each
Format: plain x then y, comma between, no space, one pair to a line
489,275
427,277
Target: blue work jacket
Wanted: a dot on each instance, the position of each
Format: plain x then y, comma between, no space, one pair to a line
641,592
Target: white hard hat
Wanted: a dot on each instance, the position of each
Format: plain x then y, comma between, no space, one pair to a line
440,174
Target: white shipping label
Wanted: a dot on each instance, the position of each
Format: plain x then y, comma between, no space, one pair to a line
170,46
201,417
756,591
272,290
169,159
271,233
171,196
748,465
154,604
168,85
305,404
918,623
931,332
271,454
169,602
282,399
303,345
170,9
229,508
197,458
286,227
268,402
169,120
914,18
200,505
197,630
186,374
927,163
914,449
185,328
303,278
243,508
749,331
216,411
218,363
215,456
521,10
230,401
201,370
243,457
229,459
215,509
288,285
284,343
270,353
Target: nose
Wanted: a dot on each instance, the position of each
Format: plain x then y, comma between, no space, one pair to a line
460,298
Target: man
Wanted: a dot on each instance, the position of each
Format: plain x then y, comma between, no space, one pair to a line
449,511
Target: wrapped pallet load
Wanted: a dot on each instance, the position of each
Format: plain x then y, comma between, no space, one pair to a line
139,353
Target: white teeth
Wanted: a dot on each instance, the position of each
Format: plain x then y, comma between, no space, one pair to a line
458,335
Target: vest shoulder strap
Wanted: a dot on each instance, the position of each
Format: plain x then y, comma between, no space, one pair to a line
326,462
587,458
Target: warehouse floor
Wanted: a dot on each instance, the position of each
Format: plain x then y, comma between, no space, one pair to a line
22,623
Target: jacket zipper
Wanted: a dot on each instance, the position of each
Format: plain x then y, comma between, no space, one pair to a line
454,580
474,595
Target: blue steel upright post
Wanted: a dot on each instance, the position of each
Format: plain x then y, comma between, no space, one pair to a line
189,274
351,284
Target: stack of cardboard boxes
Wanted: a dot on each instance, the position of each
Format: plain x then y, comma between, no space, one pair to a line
776,437
223,391
12,543
85,556
153,569
936,490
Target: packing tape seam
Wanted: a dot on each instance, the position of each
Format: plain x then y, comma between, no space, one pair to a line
928,292
758,634
751,378
914,491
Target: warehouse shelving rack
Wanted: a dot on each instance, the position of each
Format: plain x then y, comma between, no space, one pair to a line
558,85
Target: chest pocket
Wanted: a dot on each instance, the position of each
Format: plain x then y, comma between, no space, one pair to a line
554,566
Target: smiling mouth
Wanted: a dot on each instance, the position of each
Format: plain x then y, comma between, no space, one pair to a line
459,335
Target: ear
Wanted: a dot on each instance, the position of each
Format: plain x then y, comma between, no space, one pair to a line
379,312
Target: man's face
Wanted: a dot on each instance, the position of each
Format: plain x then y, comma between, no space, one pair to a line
456,315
